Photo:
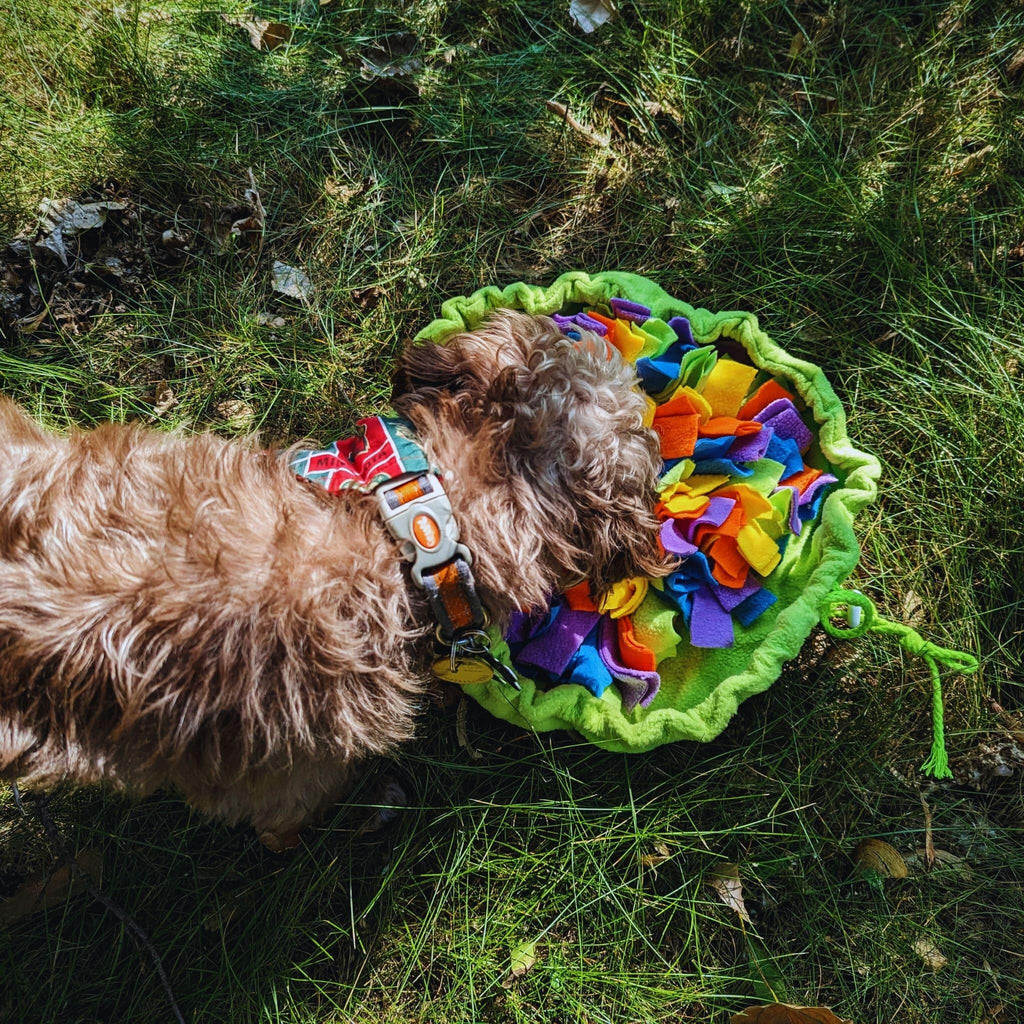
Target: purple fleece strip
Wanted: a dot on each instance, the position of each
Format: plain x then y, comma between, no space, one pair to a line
590,324
710,623
553,650
714,515
673,540
751,447
626,310
681,326
812,489
635,685
729,598
794,516
782,417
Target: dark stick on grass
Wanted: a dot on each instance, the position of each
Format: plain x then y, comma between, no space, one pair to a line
142,940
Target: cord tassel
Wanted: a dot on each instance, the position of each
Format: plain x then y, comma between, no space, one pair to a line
937,762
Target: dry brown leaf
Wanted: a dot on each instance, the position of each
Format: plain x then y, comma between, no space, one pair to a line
913,609
524,956
660,855
263,34
395,57
255,220
786,1013
930,954
972,161
61,219
590,15
174,240
878,856
291,281
725,880
237,414
164,399
37,893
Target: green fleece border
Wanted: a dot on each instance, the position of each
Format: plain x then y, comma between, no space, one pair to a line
601,720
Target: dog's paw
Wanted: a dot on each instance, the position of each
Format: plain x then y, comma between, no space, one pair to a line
278,842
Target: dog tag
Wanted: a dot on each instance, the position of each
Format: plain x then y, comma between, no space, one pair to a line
466,671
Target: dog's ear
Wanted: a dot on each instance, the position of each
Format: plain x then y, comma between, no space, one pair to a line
464,365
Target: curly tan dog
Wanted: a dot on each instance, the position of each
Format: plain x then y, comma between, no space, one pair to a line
180,611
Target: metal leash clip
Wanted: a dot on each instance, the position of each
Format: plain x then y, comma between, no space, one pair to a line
470,660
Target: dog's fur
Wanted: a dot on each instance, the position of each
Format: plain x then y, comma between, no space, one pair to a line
180,611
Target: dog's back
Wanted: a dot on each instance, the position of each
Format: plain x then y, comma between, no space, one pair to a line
178,609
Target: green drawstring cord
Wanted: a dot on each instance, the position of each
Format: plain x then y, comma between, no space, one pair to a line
937,764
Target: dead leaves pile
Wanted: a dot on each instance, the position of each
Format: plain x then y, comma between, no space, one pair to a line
90,255
84,256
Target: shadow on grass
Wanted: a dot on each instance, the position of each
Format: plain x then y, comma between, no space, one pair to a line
828,184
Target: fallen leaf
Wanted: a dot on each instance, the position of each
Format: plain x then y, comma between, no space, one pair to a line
263,34
367,298
394,57
930,954
787,1013
660,855
164,400
255,220
171,239
236,414
972,161
270,320
913,609
524,956
37,893
725,880
590,15
878,856
291,281
239,222
62,219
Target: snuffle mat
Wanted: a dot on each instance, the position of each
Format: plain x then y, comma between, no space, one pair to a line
758,495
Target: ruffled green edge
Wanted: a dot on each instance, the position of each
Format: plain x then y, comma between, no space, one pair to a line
601,720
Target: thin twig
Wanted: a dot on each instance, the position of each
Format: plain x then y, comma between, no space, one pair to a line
588,133
929,842
142,940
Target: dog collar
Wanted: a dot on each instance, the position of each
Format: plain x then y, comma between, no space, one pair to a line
384,459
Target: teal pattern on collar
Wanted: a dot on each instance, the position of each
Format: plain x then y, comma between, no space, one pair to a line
382,448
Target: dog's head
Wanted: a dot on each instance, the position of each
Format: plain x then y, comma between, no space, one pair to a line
563,423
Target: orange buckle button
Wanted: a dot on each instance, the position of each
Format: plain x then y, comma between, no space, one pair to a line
426,531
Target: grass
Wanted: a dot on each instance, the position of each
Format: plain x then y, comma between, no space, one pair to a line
852,173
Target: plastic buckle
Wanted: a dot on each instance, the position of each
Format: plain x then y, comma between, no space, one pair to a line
418,513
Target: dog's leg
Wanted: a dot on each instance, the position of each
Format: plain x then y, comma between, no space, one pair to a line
287,805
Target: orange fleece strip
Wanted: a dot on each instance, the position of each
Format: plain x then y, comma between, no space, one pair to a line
762,398
634,654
